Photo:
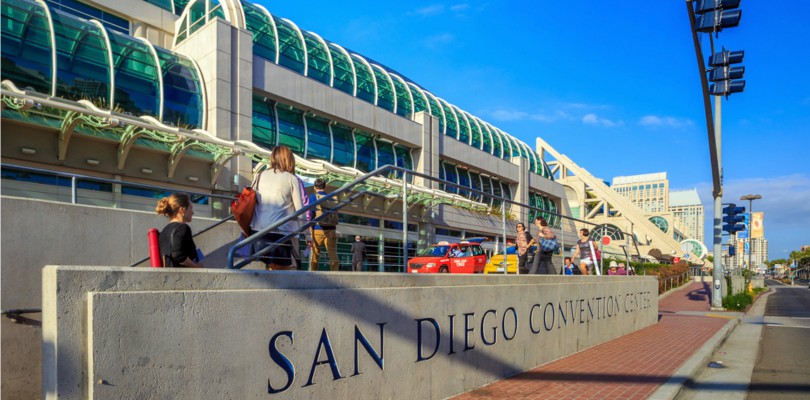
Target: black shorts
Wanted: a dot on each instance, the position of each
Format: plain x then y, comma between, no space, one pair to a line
281,255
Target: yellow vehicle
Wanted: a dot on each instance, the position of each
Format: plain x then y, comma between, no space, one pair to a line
496,262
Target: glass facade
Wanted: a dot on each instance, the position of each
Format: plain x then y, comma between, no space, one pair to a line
342,145
291,52
315,137
343,70
319,61
27,48
87,12
82,60
264,122
385,89
366,152
376,84
182,91
661,223
291,131
137,77
319,138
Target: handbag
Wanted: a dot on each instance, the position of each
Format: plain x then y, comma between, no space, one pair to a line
245,205
549,245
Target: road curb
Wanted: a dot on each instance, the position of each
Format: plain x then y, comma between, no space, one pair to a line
694,364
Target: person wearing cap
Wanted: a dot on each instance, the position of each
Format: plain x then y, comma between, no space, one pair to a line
613,268
325,236
358,253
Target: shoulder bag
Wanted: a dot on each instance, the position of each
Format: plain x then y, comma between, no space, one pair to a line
245,205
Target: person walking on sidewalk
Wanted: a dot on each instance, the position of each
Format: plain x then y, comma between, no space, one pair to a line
358,254
324,233
278,197
522,244
542,259
583,250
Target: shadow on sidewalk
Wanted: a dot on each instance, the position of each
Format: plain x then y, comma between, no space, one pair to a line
703,294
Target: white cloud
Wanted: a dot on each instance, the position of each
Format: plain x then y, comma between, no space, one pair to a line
593,119
654,121
434,9
517,115
459,7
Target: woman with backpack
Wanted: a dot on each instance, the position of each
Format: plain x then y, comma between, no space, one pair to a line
278,196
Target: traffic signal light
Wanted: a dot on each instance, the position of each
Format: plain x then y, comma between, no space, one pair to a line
733,218
732,251
725,77
714,15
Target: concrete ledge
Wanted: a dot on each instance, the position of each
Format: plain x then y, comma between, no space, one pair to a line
129,333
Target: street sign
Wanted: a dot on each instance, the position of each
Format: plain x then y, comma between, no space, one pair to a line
606,240
742,235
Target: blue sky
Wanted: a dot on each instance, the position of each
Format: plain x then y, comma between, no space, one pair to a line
613,85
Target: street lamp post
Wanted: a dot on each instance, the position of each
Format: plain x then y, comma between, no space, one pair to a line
750,198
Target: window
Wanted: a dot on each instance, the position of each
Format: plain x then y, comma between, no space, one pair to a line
84,11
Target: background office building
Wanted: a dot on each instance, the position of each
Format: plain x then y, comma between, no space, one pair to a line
649,192
687,212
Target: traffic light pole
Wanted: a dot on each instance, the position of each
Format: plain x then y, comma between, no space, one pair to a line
714,155
717,271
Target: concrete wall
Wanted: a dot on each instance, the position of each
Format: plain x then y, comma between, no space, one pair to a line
37,233
128,333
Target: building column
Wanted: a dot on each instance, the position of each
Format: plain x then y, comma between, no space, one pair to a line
521,190
224,55
427,156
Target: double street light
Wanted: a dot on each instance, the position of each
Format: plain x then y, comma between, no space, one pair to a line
750,198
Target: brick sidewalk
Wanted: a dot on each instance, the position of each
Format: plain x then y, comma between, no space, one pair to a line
630,367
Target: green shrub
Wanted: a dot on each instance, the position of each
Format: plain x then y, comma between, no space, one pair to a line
737,302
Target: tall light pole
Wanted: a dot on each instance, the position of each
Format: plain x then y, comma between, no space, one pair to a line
712,17
750,198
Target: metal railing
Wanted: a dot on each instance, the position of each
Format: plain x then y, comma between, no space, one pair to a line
206,229
404,195
75,178
673,282
74,187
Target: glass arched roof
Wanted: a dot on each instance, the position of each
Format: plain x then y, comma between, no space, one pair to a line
282,42
61,55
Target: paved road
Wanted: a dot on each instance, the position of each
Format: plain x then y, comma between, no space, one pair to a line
782,370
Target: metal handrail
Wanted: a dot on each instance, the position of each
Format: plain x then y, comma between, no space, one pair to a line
74,177
345,188
206,229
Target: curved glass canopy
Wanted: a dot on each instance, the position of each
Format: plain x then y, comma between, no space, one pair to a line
282,42
58,54
27,45
83,70
137,76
